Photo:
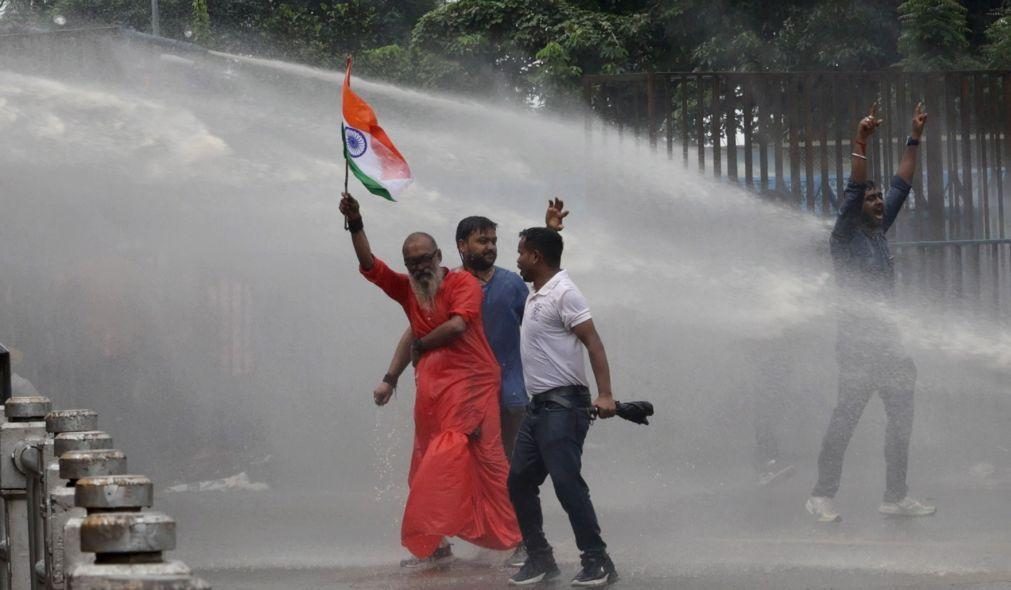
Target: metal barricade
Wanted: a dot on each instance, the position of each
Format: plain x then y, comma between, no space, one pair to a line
71,516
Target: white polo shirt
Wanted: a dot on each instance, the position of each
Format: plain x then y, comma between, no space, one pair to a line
552,354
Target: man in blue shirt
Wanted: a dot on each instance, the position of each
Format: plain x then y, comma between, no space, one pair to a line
505,294
869,349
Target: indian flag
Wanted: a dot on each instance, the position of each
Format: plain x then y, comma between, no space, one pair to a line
368,150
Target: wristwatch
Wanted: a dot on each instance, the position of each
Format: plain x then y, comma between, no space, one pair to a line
912,141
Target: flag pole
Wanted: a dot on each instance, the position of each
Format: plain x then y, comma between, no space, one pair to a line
346,226
344,143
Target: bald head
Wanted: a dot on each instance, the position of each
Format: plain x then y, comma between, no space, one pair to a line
424,265
420,238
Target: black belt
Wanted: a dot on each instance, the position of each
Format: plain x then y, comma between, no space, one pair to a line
569,397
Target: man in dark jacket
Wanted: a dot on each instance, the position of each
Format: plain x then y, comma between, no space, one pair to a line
869,350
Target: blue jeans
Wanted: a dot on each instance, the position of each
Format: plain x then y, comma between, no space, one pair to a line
550,442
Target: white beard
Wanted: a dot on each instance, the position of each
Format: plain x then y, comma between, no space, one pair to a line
425,292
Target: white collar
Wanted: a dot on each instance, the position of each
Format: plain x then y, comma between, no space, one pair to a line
552,283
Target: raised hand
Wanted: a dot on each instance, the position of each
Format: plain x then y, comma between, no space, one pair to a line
869,124
919,120
349,206
555,214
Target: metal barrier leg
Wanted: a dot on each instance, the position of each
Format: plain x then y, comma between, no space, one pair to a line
63,550
72,430
5,546
127,543
25,429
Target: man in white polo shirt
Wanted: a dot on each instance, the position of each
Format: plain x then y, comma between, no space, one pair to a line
556,327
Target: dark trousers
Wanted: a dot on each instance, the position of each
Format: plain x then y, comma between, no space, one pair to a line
550,442
862,373
512,417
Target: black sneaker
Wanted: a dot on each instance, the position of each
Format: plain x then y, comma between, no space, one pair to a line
442,556
535,571
596,572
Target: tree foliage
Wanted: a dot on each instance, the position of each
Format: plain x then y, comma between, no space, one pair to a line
530,46
997,51
934,35
536,51
201,23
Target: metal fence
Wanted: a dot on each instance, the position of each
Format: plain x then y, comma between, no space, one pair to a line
787,137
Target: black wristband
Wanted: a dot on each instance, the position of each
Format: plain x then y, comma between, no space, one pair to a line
417,345
911,141
390,380
355,225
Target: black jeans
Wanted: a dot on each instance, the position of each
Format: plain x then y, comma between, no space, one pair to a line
893,376
550,442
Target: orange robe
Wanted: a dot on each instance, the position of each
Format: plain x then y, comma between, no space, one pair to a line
458,471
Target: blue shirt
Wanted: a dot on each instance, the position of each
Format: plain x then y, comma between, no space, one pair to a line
864,270
505,295
863,263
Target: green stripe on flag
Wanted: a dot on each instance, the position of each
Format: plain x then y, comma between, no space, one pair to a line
373,187
370,184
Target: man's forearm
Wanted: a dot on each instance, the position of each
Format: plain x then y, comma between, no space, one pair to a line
362,249
858,165
402,354
601,368
907,167
444,334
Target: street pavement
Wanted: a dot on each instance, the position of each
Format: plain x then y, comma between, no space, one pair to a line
702,536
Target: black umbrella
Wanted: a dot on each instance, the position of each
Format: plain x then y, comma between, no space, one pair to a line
637,412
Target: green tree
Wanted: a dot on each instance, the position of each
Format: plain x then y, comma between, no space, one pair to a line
998,35
839,35
792,36
531,48
201,24
934,35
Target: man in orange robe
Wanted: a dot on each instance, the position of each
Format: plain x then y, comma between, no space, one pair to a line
458,471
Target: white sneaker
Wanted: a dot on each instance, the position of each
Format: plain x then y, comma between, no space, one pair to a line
823,509
907,507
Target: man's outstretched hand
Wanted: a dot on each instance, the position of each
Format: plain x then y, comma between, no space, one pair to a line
555,214
349,207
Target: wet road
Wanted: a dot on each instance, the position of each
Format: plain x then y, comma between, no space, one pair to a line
467,577
716,537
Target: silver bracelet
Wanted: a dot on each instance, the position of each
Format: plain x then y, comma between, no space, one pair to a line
856,155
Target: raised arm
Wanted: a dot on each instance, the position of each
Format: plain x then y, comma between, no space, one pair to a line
858,158
901,185
908,164
401,357
853,198
353,216
587,334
